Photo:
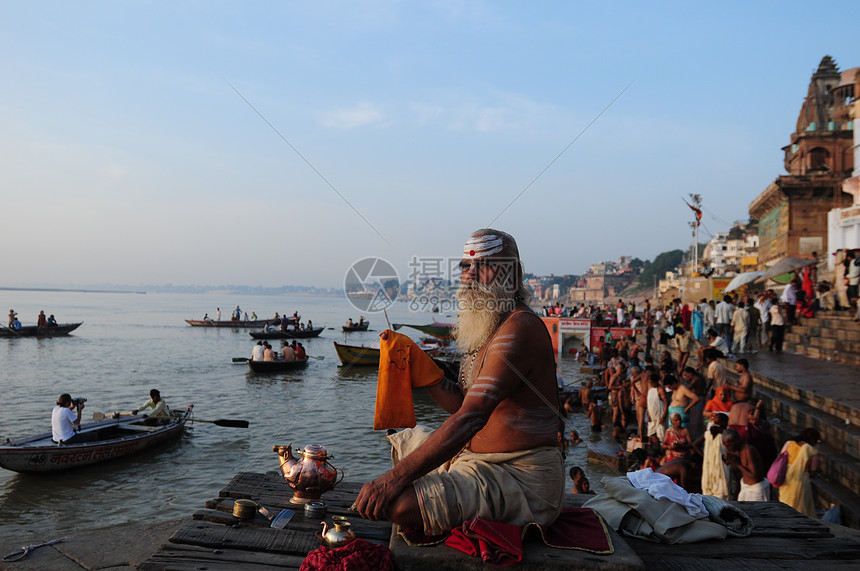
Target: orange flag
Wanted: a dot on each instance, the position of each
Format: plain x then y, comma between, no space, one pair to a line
402,366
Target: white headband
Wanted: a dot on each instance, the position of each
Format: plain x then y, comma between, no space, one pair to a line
482,246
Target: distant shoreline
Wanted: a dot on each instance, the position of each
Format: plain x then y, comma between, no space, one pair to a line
68,290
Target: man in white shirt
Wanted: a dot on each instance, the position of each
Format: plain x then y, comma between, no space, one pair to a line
63,420
723,318
257,351
789,301
740,328
763,304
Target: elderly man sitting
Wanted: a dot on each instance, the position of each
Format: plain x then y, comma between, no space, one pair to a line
496,455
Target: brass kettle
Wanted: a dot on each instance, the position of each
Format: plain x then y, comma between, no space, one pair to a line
339,535
309,477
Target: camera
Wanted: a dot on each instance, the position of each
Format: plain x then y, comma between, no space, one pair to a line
79,401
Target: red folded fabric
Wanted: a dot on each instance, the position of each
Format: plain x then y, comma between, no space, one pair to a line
501,544
576,528
358,555
497,543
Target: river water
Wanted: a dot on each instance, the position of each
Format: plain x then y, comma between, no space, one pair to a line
130,343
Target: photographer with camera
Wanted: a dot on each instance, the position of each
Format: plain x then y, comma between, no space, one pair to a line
63,420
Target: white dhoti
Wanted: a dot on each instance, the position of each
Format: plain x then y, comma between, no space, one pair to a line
754,492
656,409
511,487
716,475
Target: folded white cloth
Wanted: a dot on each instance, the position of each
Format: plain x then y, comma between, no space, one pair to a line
661,486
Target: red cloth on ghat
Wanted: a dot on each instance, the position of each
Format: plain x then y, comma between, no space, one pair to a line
358,555
501,543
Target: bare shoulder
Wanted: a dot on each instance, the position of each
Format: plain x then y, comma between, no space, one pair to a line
522,320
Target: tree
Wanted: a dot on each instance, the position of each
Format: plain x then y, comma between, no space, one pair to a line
664,262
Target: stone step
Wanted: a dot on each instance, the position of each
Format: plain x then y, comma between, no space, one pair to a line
821,342
826,332
828,493
840,465
827,405
823,354
840,315
831,322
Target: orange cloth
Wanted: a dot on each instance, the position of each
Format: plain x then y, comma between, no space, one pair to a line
402,366
717,405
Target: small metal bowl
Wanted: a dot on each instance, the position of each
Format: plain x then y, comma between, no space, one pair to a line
315,510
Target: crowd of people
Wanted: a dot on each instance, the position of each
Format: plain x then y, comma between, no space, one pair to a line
690,422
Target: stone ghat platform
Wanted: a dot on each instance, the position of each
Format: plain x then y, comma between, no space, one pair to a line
215,540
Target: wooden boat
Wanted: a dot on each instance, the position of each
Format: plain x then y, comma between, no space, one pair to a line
438,330
286,333
362,355
230,323
357,355
357,327
277,366
104,440
36,331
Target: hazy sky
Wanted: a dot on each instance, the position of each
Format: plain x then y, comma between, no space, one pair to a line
126,157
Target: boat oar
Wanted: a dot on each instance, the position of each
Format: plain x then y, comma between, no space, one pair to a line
102,416
245,359
224,422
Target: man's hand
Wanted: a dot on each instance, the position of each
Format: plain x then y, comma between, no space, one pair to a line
376,496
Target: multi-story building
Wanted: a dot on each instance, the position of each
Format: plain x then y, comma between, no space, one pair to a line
792,210
731,252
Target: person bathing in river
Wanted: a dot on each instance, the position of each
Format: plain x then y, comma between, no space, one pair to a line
496,456
747,461
683,399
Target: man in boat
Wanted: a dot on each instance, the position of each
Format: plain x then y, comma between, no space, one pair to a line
12,316
63,420
287,353
268,353
257,351
349,322
157,404
496,456
42,320
52,322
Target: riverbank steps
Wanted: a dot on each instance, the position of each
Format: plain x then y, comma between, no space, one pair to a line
800,391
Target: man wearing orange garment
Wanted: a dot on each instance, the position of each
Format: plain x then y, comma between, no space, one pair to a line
496,455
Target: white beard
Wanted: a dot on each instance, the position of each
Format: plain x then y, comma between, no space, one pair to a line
481,310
